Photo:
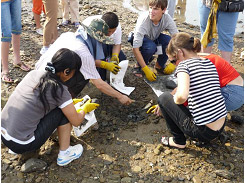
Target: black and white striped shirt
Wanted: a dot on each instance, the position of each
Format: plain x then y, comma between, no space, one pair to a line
205,100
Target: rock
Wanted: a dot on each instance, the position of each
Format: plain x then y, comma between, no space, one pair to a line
167,151
181,178
167,178
39,179
33,164
86,6
224,173
137,169
157,151
126,180
237,119
6,161
197,179
160,147
102,180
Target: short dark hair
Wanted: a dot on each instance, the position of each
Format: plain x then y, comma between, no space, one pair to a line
111,19
159,3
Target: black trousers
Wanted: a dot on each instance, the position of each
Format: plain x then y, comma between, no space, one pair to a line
76,84
44,130
180,122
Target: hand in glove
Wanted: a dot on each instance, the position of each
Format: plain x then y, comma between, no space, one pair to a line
114,58
88,106
114,68
169,69
151,76
76,100
152,109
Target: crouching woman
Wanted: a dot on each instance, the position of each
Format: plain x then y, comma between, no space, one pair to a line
198,83
42,103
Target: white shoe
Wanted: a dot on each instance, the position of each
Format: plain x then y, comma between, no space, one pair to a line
74,152
11,152
43,50
39,31
65,22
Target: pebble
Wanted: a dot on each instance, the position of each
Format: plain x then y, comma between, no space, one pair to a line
196,179
126,180
137,169
33,164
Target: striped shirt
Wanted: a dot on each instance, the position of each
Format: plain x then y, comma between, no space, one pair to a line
206,103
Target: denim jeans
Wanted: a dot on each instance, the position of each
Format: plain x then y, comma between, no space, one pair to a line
226,26
180,122
234,96
44,130
108,52
10,19
149,48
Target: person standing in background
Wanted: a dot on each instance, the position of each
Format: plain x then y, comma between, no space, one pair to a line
11,29
171,7
50,32
37,10
72,7
226,25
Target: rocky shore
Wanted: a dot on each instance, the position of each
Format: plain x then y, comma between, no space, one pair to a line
126,148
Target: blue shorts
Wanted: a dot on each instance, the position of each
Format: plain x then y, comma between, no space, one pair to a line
226,26
10,19
234,96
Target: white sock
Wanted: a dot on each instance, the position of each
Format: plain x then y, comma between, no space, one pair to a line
62,153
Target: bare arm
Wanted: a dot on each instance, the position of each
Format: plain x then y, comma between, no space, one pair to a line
182,92
116,48
97,63
108,90
139,57
75,118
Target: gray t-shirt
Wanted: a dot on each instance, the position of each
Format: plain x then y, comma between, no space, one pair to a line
23,111
145,27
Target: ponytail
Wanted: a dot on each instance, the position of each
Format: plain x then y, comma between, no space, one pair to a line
183,40
50,81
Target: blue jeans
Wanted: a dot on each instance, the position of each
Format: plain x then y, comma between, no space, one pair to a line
180,122
226,26
10,19
108,52
234,96
149,48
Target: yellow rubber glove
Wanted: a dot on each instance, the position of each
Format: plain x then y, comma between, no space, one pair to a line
169,69
151,76
76,100
88,106
152,109
115,58
114,68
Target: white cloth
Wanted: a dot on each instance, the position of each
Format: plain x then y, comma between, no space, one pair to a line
116,81
68,40
116,36
89,118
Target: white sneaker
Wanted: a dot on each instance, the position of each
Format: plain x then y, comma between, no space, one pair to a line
11,152
43,50
74,152
65,22
39,31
